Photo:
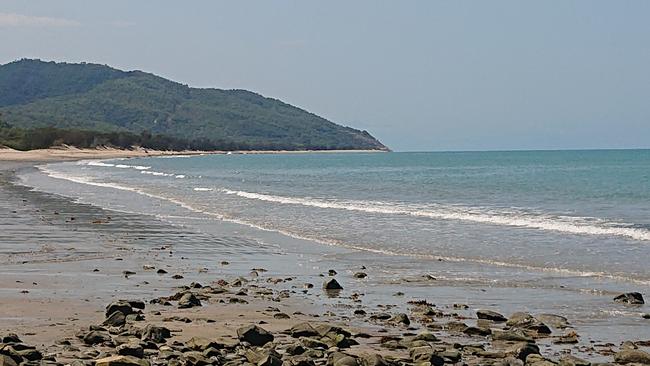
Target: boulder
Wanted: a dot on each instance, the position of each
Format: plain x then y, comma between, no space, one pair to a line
332,284
632,356
401,319
188,300
156,334
254,335
201,344
121,361
130,349
633,298
120,305
490,315
95,337
303,330
116,319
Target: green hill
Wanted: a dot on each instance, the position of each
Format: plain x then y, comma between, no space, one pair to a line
35,94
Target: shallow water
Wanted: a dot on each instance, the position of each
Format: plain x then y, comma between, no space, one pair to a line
535,231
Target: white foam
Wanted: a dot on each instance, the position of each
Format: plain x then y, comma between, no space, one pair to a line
571,225
99,163
563,271
201,189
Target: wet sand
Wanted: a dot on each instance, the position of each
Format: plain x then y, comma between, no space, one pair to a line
62,262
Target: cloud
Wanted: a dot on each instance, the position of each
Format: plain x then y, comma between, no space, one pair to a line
19,20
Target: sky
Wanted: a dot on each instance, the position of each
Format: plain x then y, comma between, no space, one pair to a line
419,75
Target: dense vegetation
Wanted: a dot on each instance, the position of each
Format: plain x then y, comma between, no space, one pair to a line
115,106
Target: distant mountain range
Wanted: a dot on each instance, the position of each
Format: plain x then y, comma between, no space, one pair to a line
36,94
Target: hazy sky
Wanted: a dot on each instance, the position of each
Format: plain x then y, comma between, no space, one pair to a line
419,75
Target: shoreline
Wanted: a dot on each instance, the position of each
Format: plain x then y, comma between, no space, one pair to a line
72,153
48,312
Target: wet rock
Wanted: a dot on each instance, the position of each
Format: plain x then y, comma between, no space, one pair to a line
30,354
122,306
573,361
360,275
121,361
380,316
116,319
188,300
6,360
332,284
313,343
303,330
633,298
155,333
510,336
332,272
254,335
401,319
538,360
130,349
295,349
425,354
632,356
375,360
11,338
194,358
553,320
342,359
281,316
177,276
477,331
490,315
201,344
298,361
161,271
95,337
522,350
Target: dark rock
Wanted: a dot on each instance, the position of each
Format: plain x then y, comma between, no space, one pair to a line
632,356
130,349
303,330
375,360
254,335
553,320
11,338
295,349
156,334
122,306
360,275
522,350
95,337
177,277
121,361
281,316
161,271
188,301
116,319
573,361
401,319
633,298
5,360
490,315
201,344
510,336
332,284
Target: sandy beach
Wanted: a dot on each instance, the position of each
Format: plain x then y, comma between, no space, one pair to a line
64,263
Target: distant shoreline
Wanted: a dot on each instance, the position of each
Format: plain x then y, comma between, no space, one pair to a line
72,153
